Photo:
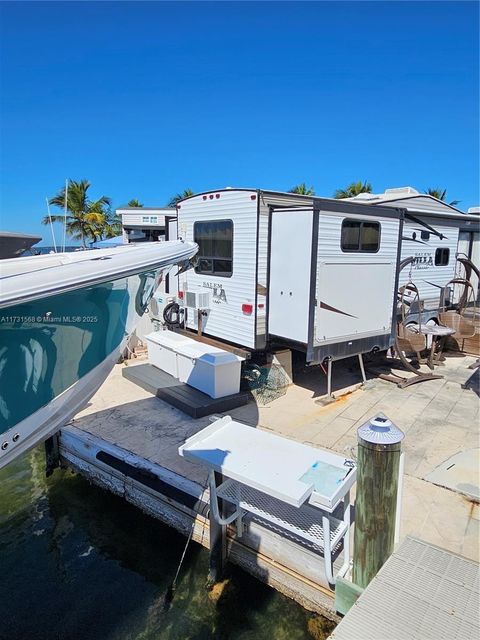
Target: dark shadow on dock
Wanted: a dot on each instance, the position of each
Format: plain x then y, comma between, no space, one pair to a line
473,382
345,373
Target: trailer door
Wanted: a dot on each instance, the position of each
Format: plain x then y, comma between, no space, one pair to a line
290,270
357,262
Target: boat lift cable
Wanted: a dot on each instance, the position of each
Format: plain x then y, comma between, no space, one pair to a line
170,593
171,589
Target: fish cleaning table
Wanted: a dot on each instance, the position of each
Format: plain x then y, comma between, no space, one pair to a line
293,486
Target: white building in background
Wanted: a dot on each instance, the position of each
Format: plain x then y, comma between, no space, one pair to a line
146,224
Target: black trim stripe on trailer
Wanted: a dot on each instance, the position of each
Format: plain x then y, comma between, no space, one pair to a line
269,255
255,337
327,307
313,280
398,268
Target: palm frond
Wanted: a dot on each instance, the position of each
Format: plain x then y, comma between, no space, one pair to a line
187,193
55,218
302,189
353,189
440,194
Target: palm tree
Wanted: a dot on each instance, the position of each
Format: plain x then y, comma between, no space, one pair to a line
441,194
180,196
134,203
85,218
353,189
113,226
302,190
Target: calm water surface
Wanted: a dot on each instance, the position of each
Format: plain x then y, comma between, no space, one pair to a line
77,563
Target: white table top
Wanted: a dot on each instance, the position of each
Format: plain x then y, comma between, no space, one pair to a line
434,330
259,459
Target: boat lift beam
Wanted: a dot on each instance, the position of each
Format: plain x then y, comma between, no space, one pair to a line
52,455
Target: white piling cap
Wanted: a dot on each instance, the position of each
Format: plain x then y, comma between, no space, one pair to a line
380,430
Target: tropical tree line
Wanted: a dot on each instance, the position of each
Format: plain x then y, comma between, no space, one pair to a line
355,188
350,191
88,219
84,218
91,220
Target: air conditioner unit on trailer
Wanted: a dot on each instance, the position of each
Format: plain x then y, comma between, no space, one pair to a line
197,300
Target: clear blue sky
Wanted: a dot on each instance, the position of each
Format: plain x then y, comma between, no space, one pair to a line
147,99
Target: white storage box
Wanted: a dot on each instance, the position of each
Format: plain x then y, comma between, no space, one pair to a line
162,350
208,369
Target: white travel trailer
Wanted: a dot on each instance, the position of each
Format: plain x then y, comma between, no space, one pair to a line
315,274
434,233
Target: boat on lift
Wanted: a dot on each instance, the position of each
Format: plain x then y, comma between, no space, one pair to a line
13,245
65,319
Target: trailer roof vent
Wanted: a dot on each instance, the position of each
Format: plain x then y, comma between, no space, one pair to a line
366,196
402,191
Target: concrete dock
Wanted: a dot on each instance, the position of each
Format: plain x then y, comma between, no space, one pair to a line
440,419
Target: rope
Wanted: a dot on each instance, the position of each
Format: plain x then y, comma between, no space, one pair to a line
169,595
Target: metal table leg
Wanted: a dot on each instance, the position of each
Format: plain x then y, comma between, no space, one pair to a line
214,503
362,368
329,378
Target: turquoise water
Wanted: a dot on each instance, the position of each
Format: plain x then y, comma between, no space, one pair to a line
77,563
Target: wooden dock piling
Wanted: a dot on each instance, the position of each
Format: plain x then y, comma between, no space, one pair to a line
379,450
52,456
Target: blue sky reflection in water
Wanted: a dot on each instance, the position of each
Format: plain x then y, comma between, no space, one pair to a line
77,563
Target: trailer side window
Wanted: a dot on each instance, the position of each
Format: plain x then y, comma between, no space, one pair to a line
360,236
442,256
215,247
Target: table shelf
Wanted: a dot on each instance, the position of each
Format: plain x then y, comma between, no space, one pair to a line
305,522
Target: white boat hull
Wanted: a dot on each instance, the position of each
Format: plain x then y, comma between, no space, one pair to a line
59,342
46,421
